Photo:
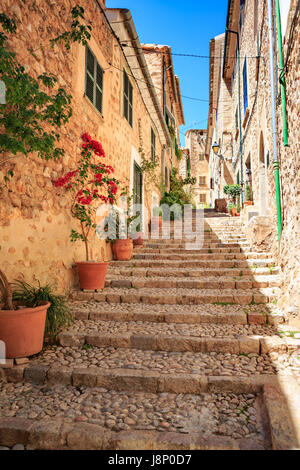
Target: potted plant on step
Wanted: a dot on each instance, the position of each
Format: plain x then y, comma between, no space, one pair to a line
122,239
249,196
92,185
233,191
22,322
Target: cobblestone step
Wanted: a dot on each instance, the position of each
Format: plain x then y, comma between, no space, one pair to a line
167,282
195,314
180,296
171,337
99,418
201,263
195,273
196,255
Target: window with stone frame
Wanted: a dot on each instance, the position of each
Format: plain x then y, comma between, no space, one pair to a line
127,98
203,198
93,80
153,145
202,180
201,157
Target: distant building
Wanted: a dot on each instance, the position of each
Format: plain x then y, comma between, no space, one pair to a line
197,166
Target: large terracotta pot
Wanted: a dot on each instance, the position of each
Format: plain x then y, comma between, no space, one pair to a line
248,203
92,275
233,211
123,249
23,330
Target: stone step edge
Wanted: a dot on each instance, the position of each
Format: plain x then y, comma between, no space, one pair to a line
202,283
135,380
176,343
236,318
181,299
195,274
53,434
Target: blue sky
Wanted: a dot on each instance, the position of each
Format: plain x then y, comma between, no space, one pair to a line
186,26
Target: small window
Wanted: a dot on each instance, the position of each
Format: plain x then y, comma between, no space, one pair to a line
245,86
153,150
202,157
202,180
127,99
93,80
203,198
236,118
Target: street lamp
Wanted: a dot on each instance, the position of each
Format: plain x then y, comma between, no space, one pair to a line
216,148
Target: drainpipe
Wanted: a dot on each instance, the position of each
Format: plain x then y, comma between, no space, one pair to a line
281,76
275,157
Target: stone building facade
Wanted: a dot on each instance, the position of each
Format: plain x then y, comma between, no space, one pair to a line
245,76
35,220
167,86
195,141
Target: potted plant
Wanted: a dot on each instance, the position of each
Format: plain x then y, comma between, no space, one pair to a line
249,196
22,322
122,244
156,219
232,209
91,184
138,237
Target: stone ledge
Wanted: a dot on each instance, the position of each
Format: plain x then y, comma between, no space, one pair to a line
57,435
178,343
285,432
145,381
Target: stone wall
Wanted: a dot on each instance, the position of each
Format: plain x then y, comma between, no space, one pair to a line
289,255
258,144
35,220
195,141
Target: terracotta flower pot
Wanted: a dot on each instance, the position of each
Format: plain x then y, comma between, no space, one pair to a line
92,275
138,240
123,249
23,330
233,211
248,203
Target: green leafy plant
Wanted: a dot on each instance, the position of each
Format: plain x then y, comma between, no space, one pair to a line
233,191
249,193
35,107
177,194
59,314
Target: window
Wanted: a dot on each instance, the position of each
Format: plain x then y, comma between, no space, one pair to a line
127,98
245,86
203,198
153,152
236,118
93,80
202,157
202,180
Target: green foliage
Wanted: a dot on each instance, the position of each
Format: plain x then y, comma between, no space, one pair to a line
34,104
249,193
177,195
232,190
172,132
59,314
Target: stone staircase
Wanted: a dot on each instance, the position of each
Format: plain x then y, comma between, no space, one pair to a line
183,349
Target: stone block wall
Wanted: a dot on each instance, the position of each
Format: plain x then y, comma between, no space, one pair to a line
35,220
